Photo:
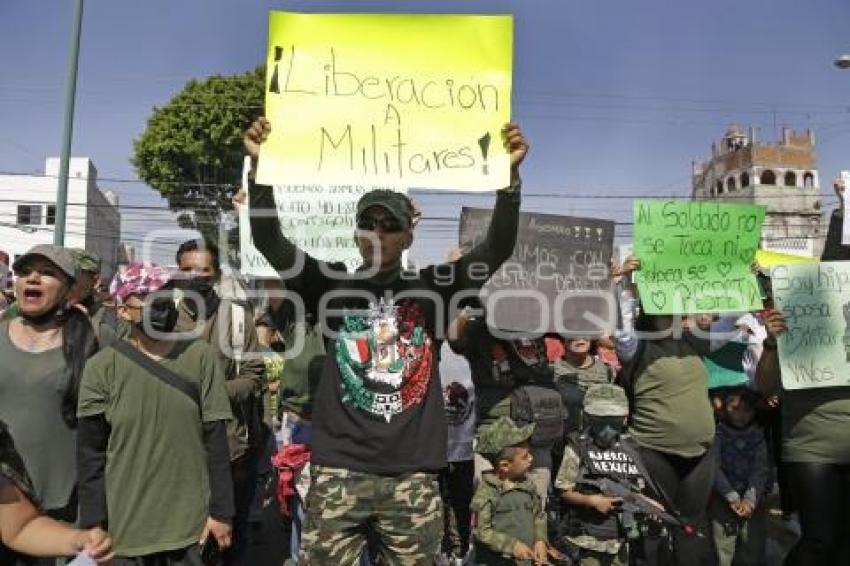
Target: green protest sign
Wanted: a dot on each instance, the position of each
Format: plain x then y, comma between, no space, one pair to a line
815,299
696,256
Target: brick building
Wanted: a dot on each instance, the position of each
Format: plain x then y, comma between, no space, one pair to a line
780,176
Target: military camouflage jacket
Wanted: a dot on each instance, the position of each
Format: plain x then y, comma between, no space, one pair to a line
506,514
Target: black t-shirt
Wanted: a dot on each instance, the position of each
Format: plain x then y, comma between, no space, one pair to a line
378,407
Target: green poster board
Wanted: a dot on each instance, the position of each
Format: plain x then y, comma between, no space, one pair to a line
696,256
815,299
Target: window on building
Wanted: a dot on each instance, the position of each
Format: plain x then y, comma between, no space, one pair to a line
730,184
808,179
768,177
51,214
745,179
718,188
29,214
790,179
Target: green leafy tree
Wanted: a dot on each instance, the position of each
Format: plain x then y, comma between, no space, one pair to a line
191,150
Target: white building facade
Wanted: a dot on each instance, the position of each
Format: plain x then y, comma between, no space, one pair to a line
28,212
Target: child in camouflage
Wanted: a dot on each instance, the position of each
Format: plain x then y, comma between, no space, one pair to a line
509,525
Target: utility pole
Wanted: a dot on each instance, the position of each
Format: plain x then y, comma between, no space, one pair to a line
67,134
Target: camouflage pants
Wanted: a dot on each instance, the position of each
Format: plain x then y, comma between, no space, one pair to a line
402,514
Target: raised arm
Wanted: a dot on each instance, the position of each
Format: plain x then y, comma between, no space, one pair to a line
625,337
501,235
265,224
768,371
832,249
310,275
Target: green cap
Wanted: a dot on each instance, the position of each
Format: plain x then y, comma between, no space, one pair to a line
397,204
86,260
502,433
57,255
606,400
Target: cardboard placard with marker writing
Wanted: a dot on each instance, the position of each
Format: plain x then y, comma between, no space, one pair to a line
411,100
696,257
557,278
815,300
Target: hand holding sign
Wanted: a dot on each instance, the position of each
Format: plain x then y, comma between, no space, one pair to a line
517,147
256,134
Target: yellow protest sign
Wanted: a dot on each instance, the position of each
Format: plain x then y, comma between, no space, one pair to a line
393,99
770,260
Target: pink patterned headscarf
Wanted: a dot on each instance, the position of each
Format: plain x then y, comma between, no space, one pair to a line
138,279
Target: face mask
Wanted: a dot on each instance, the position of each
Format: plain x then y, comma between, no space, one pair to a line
606,430
159,315
54,313
204,286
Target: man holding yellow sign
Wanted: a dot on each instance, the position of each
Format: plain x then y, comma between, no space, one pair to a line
438,84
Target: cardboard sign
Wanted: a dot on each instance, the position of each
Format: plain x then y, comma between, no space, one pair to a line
696,256
815,299
557,278
316,218
388,99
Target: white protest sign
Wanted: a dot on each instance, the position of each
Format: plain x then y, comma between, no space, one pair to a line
318,219
815,300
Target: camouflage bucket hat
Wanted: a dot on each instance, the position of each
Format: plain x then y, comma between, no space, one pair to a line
86,260
606,400
502,433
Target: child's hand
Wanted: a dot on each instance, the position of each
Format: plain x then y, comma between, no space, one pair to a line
747,509
522,551
540,551
605,504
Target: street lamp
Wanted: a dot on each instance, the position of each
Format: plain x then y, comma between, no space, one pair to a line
843,62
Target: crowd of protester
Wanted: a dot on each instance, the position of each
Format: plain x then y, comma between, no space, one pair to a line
151,421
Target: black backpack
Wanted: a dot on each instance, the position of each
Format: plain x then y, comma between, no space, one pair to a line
543,407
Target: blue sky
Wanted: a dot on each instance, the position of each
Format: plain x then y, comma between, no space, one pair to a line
616,97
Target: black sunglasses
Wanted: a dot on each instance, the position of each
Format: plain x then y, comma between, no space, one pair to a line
387,224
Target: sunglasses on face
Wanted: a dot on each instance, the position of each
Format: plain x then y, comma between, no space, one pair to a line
386,224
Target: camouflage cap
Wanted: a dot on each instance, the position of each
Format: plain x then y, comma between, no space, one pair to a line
57,255
606,400
397,204
86,260
494,437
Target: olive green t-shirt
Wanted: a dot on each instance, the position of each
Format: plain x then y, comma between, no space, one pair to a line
31,389
295,392
672,412
157,484
594,374
815,425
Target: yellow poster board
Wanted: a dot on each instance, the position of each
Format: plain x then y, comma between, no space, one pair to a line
393,99
769,260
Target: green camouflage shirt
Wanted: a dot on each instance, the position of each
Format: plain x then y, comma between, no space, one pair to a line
507,513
